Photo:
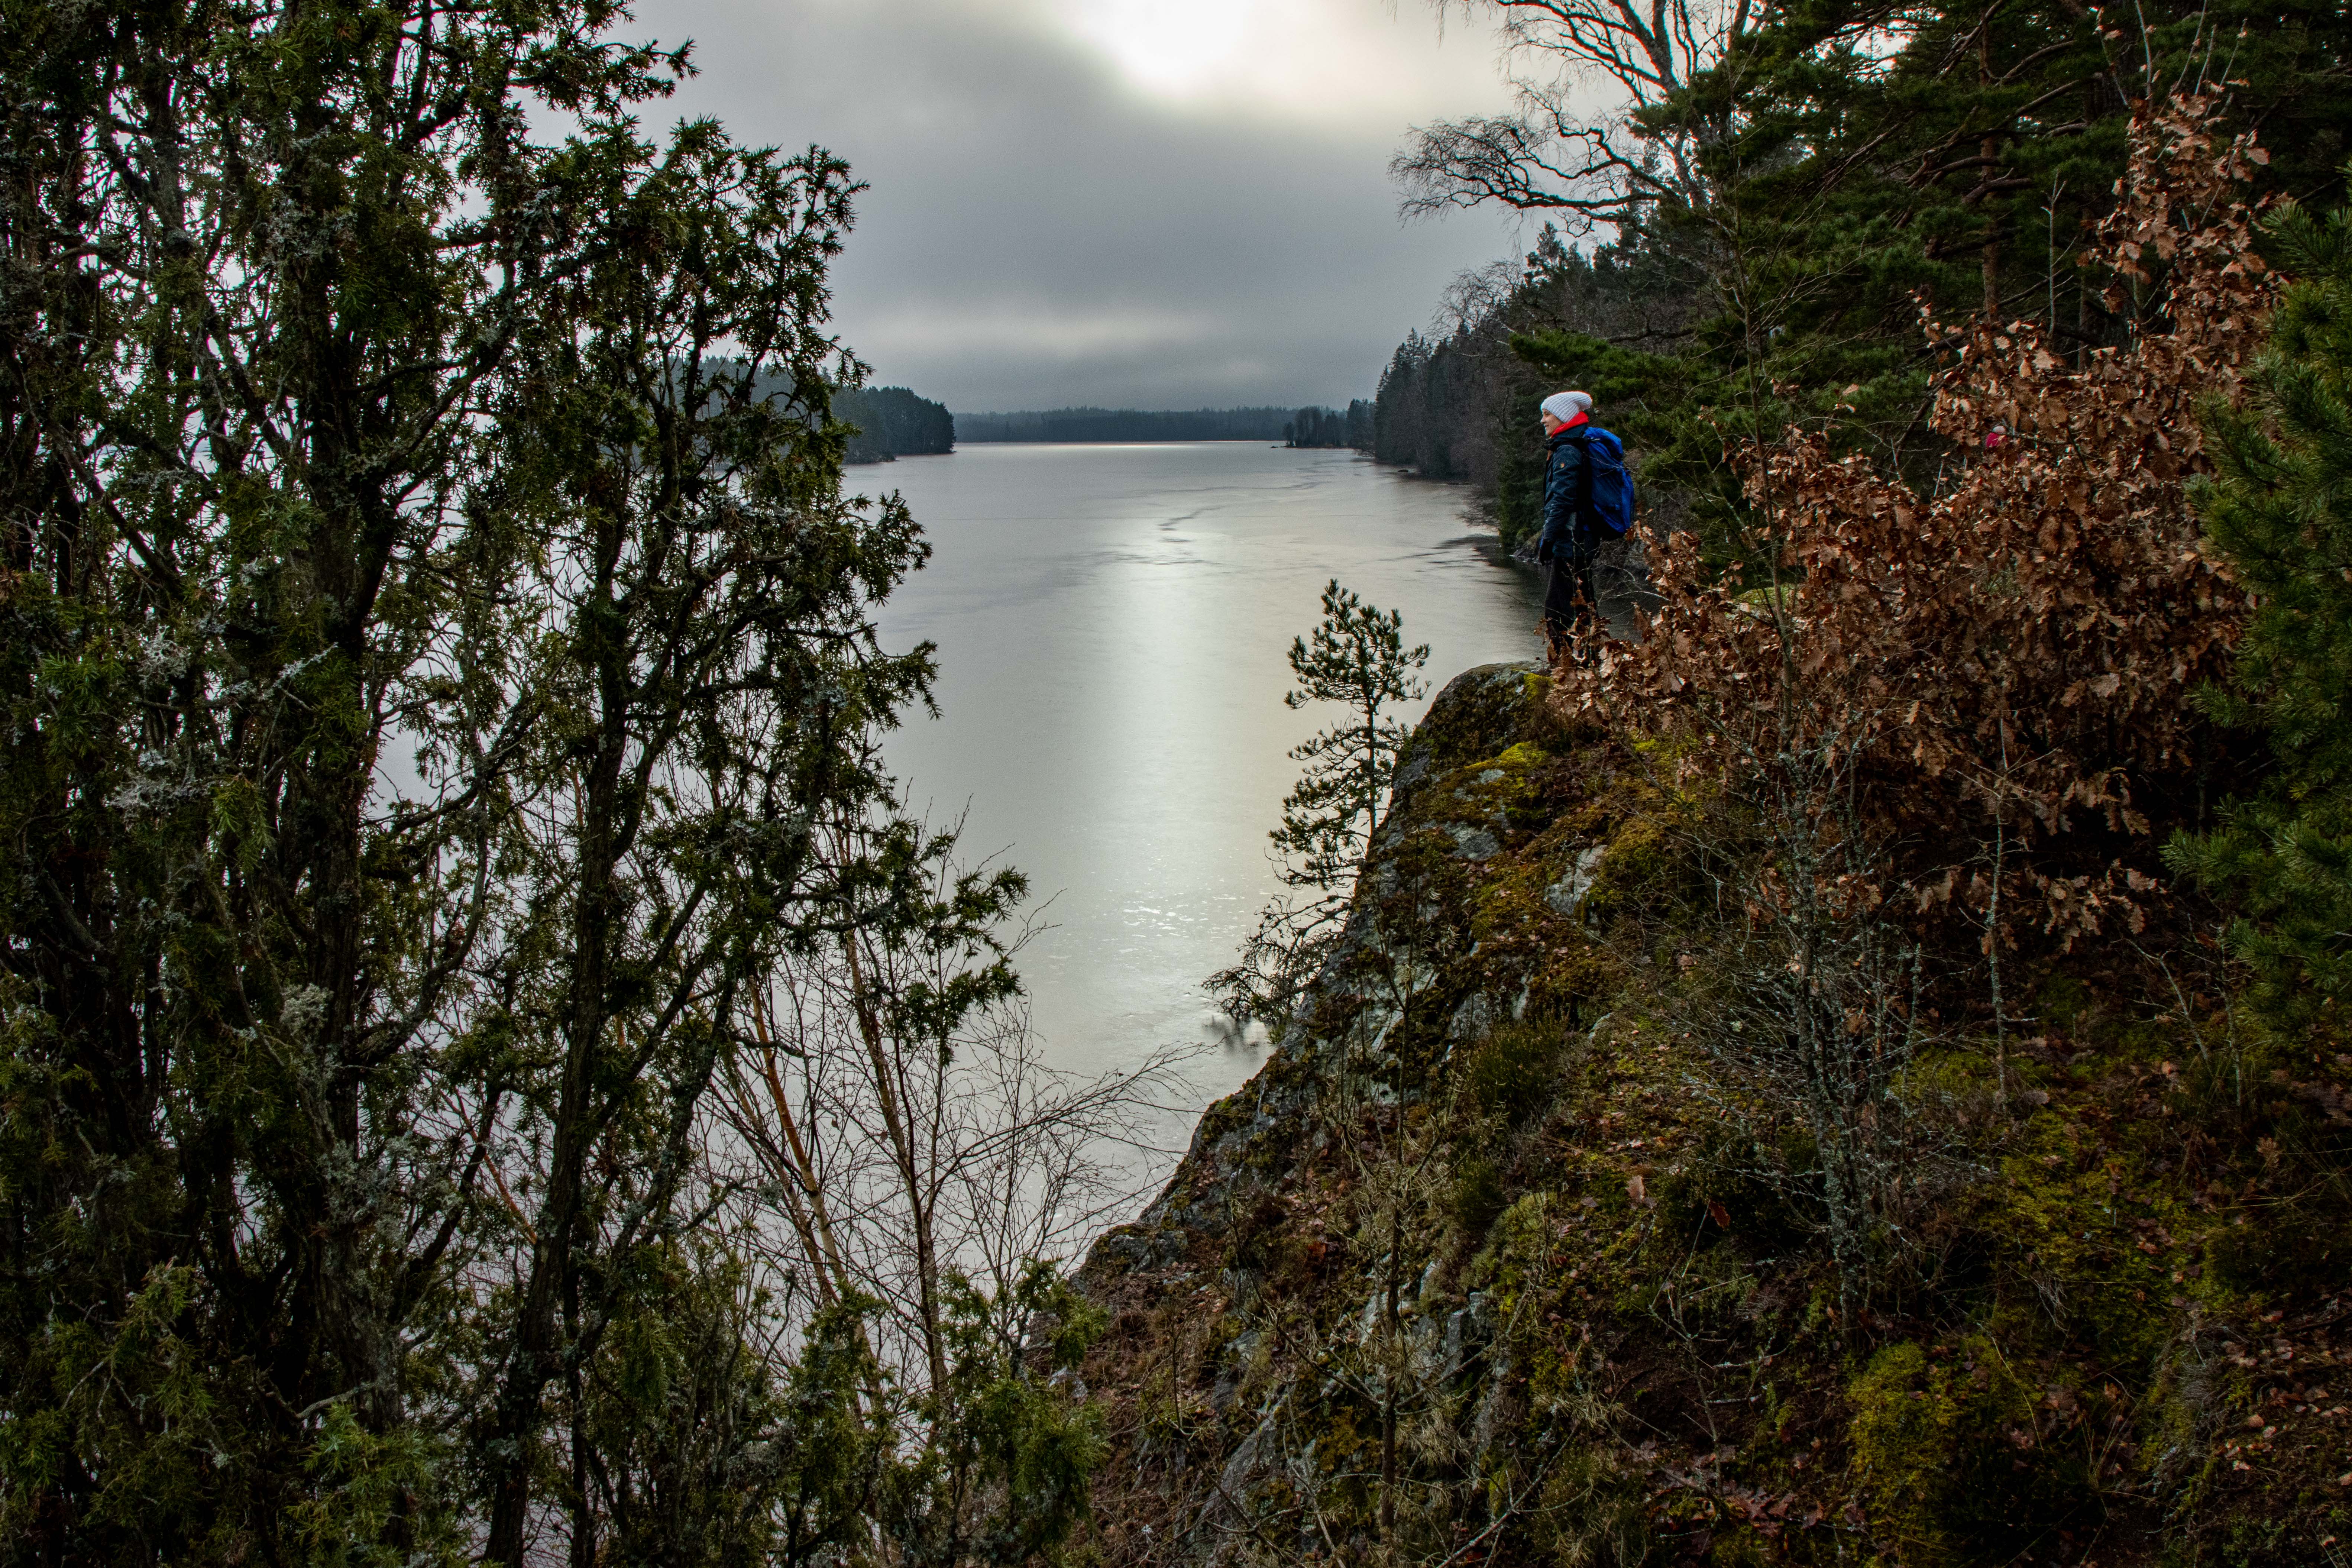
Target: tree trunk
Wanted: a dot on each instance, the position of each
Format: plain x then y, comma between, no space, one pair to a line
1990,148
533,1359
902,1145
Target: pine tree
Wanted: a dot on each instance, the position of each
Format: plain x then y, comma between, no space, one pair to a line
1355,655
1847,161
2280,507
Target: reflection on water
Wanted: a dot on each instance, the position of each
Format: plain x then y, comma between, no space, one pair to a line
1112,622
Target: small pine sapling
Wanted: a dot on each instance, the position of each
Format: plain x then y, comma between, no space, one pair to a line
1355,655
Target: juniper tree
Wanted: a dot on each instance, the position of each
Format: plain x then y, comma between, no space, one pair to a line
264,266
432,627
706,680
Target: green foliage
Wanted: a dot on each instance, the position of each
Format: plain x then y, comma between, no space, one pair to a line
1951,1449
1763,1199
708,1458
1853,170
2280,508
721,1461
1785,200
1478,1195
1432,409
1263,424
2087,1303
1003,1477
1351,427
2290,1250
1464,408
441,684
892,422
1510,1073
246,392
1356,656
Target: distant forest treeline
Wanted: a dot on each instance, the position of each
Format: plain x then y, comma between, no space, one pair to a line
892,422
1351,427
889,420
1325,426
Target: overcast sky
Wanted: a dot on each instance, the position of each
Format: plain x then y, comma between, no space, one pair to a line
1152,204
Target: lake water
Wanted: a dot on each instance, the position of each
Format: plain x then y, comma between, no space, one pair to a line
1112,622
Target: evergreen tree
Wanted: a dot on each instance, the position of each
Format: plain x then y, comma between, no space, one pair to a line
1833,165
1004,1475
1128,424
892,422
2280,508
436,654
711,674
266,269
1356,656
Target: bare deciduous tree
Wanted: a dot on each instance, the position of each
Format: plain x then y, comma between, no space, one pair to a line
1588,70
897,1127
1808,1008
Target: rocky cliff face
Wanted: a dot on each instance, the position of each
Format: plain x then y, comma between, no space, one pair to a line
1484,1265
1255,1343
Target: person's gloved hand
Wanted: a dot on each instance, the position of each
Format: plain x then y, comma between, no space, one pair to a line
1543,552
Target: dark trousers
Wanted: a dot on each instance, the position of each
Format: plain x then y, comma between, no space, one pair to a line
1569,599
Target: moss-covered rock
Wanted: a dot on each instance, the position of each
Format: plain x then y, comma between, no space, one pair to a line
1958,1458
2106,1328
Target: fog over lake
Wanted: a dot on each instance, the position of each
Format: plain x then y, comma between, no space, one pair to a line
1112,622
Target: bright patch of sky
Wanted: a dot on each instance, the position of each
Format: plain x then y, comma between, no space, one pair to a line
1139,203
1315,60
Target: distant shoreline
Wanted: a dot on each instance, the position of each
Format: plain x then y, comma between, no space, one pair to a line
1308,426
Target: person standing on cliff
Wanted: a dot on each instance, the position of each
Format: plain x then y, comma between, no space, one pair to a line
1566,547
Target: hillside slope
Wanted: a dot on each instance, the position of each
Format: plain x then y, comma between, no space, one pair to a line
1496,1261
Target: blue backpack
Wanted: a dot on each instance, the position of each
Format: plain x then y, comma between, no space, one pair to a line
1607,485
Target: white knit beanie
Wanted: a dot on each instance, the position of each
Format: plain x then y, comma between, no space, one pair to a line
1565,406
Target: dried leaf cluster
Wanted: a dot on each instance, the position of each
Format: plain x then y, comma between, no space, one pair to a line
2011,657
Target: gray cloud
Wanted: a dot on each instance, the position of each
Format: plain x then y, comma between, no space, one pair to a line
1041,231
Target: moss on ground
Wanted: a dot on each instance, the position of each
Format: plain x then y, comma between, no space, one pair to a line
2108,1324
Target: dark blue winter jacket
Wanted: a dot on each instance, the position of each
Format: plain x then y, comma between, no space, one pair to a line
1563,530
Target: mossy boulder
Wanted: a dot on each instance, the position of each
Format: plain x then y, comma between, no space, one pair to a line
1963,1459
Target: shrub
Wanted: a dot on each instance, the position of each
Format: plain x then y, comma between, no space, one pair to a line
2000,671
1478,1195
2277,512
1510,1073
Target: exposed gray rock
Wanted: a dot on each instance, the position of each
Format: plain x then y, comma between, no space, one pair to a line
1566,895
1472,843
1241,1470
1471,1020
